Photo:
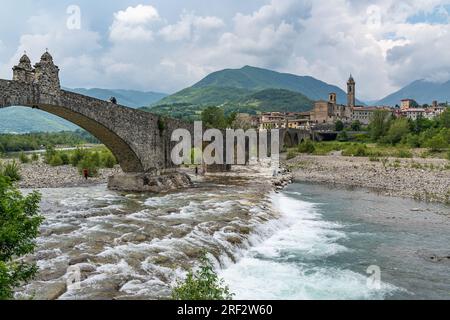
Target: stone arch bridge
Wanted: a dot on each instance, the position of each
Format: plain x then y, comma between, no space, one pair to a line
141,141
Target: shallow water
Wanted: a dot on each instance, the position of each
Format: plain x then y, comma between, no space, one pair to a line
308,242
333,236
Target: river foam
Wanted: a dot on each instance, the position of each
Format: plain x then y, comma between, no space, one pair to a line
291,264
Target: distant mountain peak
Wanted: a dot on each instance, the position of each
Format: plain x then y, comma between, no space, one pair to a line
422,90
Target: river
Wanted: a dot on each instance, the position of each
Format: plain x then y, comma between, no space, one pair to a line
307,242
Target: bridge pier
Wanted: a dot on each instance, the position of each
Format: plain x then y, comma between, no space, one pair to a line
146,182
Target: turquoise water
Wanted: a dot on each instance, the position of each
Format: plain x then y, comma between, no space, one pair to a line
327,239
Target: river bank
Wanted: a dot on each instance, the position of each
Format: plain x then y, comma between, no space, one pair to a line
420,179
39,175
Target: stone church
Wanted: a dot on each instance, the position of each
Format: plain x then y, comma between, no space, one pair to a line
330,111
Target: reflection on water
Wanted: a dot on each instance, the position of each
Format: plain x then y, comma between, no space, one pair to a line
309,242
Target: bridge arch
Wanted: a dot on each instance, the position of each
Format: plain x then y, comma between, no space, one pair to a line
141,141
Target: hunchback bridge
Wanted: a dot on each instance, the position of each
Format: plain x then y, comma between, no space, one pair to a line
141,141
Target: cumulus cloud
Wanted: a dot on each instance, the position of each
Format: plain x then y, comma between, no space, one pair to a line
191,27
385,44
134,23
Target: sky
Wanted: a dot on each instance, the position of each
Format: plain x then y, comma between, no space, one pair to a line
167,45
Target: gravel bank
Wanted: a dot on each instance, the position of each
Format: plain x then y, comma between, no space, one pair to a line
421,179
40,175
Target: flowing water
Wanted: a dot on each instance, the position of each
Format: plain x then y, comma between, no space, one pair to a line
307,242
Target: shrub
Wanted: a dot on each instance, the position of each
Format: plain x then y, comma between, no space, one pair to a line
64,158
77,156
90,166
56,161
342,136
24,158
50,152
19,226
35,157
203,284
11,170
402,153
306,147
108,160
356,150
411,140
398,129
437,143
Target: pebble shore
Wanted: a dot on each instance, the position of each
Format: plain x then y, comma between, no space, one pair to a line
421,179
40,176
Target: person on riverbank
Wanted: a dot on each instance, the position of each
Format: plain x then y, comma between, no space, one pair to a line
85,174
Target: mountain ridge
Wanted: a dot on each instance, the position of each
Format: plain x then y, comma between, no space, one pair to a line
256,79
423,91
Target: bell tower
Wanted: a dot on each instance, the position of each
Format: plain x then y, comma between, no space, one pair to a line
351,92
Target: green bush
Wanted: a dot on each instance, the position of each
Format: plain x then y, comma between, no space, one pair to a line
35,157
50,152
64,158
89,165
356,150
306,147
342,136
11,170
19,226
56,161
77,156
23,158
108,160
437,143
403,153
202,285
399,128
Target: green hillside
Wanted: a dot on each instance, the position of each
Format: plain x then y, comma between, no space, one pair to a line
256,79
248,89
206,96
253,103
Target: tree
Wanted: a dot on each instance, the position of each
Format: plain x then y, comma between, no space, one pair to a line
379,124
214,117
398,129
445,119
339,125
19,226
437,143
356,125
203,284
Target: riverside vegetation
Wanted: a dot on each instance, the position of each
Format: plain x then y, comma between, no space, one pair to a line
203,284
397,157
388,137
19,226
